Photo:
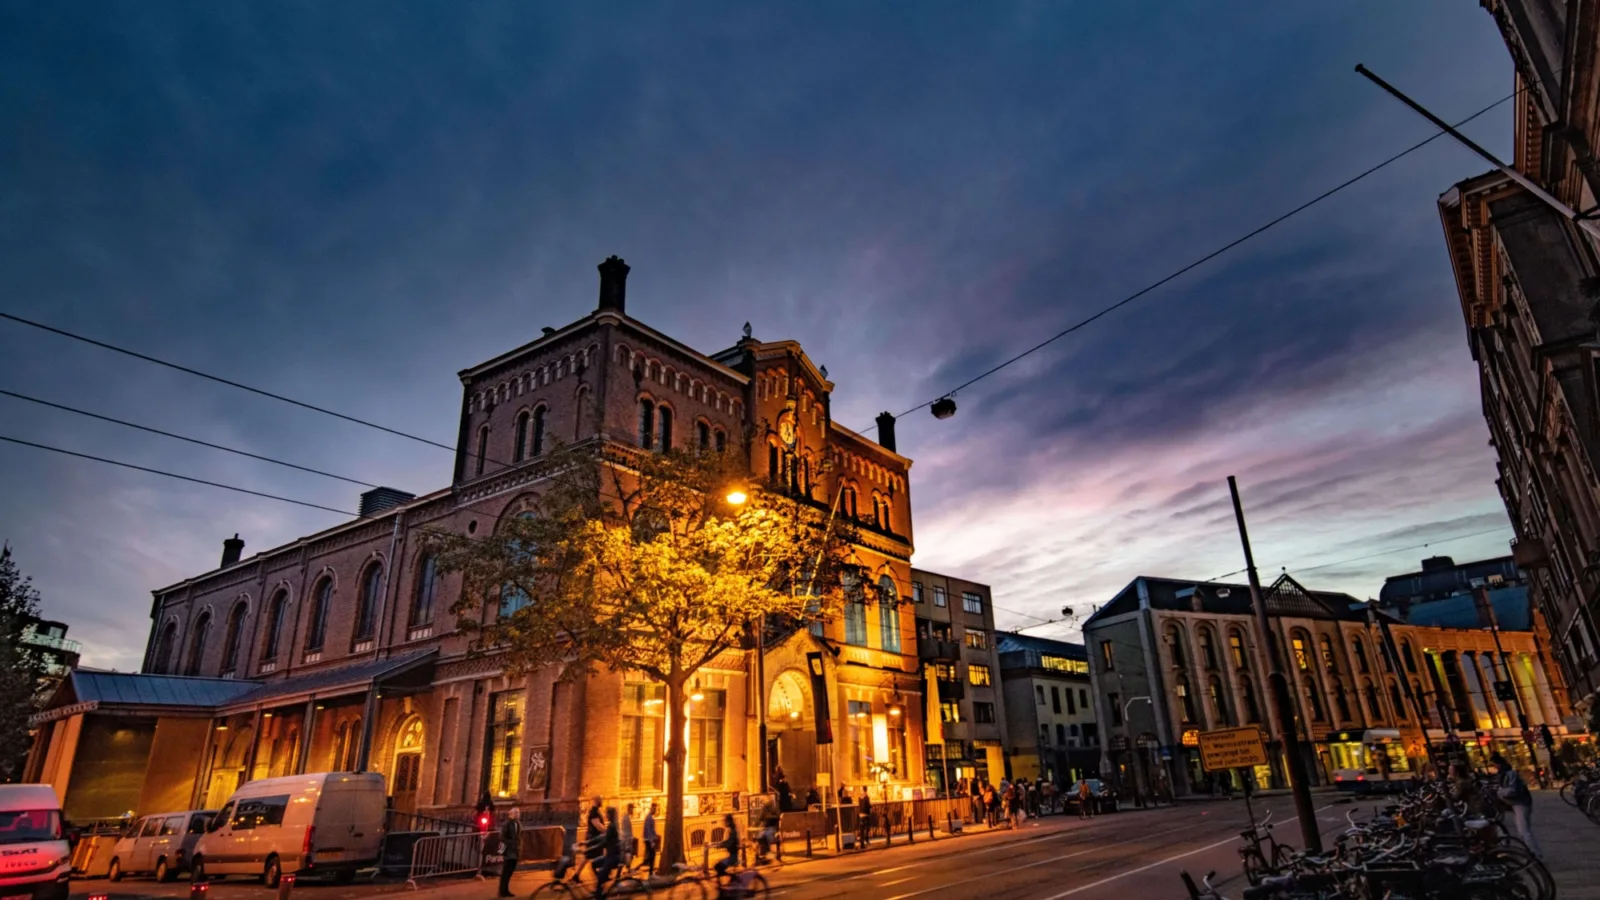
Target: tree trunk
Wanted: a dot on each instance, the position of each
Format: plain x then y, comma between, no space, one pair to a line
677,719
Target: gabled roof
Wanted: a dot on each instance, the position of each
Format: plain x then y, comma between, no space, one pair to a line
1285,597
326,682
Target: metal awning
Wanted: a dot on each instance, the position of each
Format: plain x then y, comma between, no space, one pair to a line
128,693
407,671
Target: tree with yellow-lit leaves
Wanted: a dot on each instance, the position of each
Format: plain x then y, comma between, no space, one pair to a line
637,561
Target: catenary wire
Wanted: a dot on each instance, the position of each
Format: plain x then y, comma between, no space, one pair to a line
179,437
1203,259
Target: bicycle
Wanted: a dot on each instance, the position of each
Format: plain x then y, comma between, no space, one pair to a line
1260,863
741,884
559,888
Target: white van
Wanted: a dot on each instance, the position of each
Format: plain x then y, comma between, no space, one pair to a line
327,823
34,858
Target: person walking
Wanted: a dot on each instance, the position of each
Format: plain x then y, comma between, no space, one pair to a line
510,848
863,820
1085,797
652,840
594,835
625,828
1513,791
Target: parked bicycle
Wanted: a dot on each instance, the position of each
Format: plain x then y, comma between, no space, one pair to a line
700,883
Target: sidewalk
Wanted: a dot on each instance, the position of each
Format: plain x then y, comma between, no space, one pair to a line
1569,841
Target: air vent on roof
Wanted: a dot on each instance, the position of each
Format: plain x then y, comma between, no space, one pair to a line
379,499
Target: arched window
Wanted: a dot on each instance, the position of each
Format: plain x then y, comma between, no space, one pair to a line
847,502
427,592
702,434
367,603
1328,659
1236,649
1175,647
169,636
197,643
1360,651
1341,702
888,516
1208,648
512,597
1373,711
773,472
276,611
521,450
1186,701
536,439
1302,650
1313,700
1219,701
230,650
855,610
1397,702
317,624
664,427
1410,659
1247,693
483,447
888,615
720,438
647,423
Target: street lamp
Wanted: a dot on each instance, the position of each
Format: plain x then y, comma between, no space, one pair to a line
736,497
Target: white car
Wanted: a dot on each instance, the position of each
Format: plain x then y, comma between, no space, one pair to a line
325,823
35,860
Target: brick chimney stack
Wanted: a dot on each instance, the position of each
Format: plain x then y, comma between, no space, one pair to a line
886,431
232,549
614,284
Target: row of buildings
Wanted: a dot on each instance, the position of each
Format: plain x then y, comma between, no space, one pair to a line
1450,655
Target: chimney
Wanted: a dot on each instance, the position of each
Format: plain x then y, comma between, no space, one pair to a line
232,549
886,431
614,284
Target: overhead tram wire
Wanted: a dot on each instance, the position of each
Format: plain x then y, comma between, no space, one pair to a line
1204,259
180,437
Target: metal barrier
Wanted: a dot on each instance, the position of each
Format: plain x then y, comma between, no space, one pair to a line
446,854
394,820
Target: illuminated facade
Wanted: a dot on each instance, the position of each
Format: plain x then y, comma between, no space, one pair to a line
341,651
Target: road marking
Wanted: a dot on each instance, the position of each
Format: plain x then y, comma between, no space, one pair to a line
894,869
897,881
1146,868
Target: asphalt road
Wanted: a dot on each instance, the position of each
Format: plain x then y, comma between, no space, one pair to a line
1132,854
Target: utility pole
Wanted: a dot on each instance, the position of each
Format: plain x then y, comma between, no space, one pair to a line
1310,833
1486,610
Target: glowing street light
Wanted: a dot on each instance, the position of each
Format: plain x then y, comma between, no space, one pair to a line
736,497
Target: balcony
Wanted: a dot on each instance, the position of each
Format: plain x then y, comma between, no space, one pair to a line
934,650
35,639
951,691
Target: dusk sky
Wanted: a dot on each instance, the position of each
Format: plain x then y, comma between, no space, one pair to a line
347,203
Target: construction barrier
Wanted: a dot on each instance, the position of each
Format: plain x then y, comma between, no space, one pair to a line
446,854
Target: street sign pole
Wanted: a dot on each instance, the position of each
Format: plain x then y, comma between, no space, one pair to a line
1295,763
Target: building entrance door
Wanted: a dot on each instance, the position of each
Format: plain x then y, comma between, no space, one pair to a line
407,765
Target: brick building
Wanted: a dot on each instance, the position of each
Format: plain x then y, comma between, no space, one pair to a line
343,654
1049,715
1527,278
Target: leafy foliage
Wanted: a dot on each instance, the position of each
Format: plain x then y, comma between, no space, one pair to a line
22,670
636,561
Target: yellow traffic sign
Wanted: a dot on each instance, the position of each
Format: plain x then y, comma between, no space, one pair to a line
1232,748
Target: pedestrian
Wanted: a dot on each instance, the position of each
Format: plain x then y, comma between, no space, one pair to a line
594,835
785,793
610,850
1513,791
978,804
991,801
844,794
652,840
626,829
863,820
510,848
813,799
1085,797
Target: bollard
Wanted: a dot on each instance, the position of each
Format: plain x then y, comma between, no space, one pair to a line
285,886
838,838
911,827
930,827
949,822
808,842
705,857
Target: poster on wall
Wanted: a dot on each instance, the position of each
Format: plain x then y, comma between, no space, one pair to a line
538,768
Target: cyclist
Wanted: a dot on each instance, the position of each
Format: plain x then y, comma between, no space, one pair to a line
730,844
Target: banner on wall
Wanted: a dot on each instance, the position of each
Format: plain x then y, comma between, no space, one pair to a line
823,719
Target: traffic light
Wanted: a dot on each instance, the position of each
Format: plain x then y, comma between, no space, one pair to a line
484,821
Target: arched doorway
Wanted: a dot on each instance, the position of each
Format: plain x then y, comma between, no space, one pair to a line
407,764
791,733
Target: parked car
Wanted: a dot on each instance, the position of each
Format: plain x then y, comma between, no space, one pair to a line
328,823
1105,797
35,861
162,844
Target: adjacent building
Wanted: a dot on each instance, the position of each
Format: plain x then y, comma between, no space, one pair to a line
340,650
1527,280
1170,658
966,730
1049,714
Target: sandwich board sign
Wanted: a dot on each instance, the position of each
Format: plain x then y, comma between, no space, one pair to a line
1232,748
